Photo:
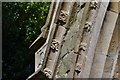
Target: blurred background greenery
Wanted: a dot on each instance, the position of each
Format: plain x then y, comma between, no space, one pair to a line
21,24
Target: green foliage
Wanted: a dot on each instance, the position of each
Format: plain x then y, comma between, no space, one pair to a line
21,23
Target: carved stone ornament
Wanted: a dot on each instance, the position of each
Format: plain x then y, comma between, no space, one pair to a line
54,45
63,17
93,4
48,72
83,46
88,26
78,68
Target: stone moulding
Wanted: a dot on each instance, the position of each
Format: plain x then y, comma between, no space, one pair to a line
77,41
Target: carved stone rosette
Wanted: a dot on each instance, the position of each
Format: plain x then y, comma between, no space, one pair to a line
54,45
63,17
93,4
83,46
88,26
48,72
